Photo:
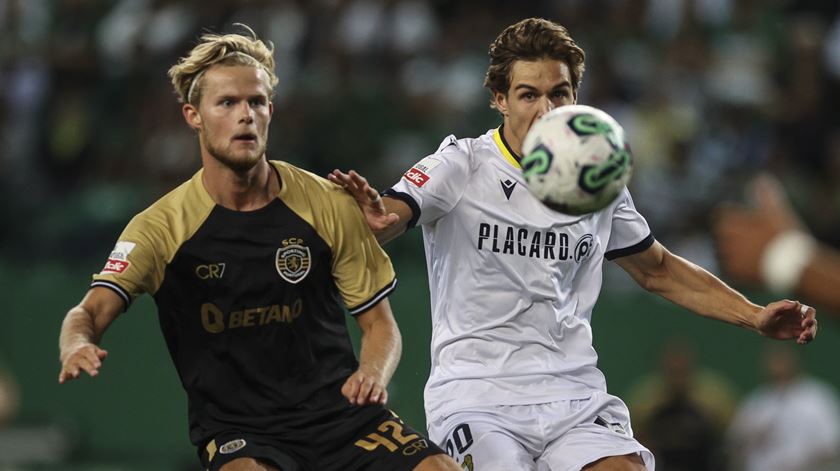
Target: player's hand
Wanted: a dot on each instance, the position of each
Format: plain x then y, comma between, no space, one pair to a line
742,233
364,388
378,217
787,319
86,357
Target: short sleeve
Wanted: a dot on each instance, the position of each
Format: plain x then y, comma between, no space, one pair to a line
133,267
630,232
361,269
434,185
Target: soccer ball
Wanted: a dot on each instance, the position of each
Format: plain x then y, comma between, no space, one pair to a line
576,159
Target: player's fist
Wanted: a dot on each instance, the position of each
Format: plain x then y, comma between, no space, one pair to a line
364,388
787,319
84,357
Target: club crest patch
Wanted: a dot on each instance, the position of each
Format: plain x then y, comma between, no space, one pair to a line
293,260
232,446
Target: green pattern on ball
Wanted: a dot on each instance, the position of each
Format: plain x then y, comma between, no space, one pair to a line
587,125
595,177
536,163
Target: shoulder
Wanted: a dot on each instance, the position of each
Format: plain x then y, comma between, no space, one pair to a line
177,213
466,146
312,197
304,182
468,152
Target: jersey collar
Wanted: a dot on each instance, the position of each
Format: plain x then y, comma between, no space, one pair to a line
504,148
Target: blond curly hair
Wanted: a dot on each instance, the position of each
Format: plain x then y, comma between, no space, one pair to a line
227,49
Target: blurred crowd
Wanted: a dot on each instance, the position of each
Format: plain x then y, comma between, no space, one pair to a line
710,91
693,419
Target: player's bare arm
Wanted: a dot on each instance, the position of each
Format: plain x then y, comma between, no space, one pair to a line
688,285
387,217
82,330
378,358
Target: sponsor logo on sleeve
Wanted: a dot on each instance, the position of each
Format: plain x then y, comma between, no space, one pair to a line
419,173
114,266
416,176
118,260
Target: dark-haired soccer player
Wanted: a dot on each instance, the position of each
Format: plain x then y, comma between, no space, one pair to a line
514,383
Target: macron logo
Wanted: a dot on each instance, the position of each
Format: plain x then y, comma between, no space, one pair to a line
507,187
416,176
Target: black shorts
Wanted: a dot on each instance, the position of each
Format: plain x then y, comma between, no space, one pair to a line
380,442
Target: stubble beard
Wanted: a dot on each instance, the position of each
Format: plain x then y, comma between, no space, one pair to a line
226,158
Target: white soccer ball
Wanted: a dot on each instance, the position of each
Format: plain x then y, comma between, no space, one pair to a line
576,159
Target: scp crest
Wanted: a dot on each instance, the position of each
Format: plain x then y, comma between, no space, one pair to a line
293,260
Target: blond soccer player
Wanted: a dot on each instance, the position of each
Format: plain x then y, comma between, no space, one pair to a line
251,263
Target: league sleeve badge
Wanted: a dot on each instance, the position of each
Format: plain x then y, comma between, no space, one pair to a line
419,173
118,260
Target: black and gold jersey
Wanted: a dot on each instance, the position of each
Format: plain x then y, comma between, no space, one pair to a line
251,303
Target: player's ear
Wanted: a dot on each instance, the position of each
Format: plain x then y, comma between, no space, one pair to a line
500,100
191,116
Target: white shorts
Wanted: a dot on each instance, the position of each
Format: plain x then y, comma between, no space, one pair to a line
557,436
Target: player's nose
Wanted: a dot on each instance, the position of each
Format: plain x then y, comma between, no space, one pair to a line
546,105
246,113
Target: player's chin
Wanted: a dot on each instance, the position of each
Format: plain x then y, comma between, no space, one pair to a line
243,160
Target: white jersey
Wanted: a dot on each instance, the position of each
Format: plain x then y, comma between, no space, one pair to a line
512,282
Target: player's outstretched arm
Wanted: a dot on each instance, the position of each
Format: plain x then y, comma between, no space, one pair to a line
387,217
684,283
378,358
81,331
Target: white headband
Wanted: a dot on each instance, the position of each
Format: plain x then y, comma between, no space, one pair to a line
230,54
192,84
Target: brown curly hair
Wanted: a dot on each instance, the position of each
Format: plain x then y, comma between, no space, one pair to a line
529,40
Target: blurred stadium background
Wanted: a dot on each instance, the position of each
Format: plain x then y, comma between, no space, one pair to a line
710,91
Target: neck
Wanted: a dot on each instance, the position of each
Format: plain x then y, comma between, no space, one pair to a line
514,143
240,191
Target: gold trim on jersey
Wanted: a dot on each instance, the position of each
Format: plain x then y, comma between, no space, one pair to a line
211,450
155,236
508,155
361,269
